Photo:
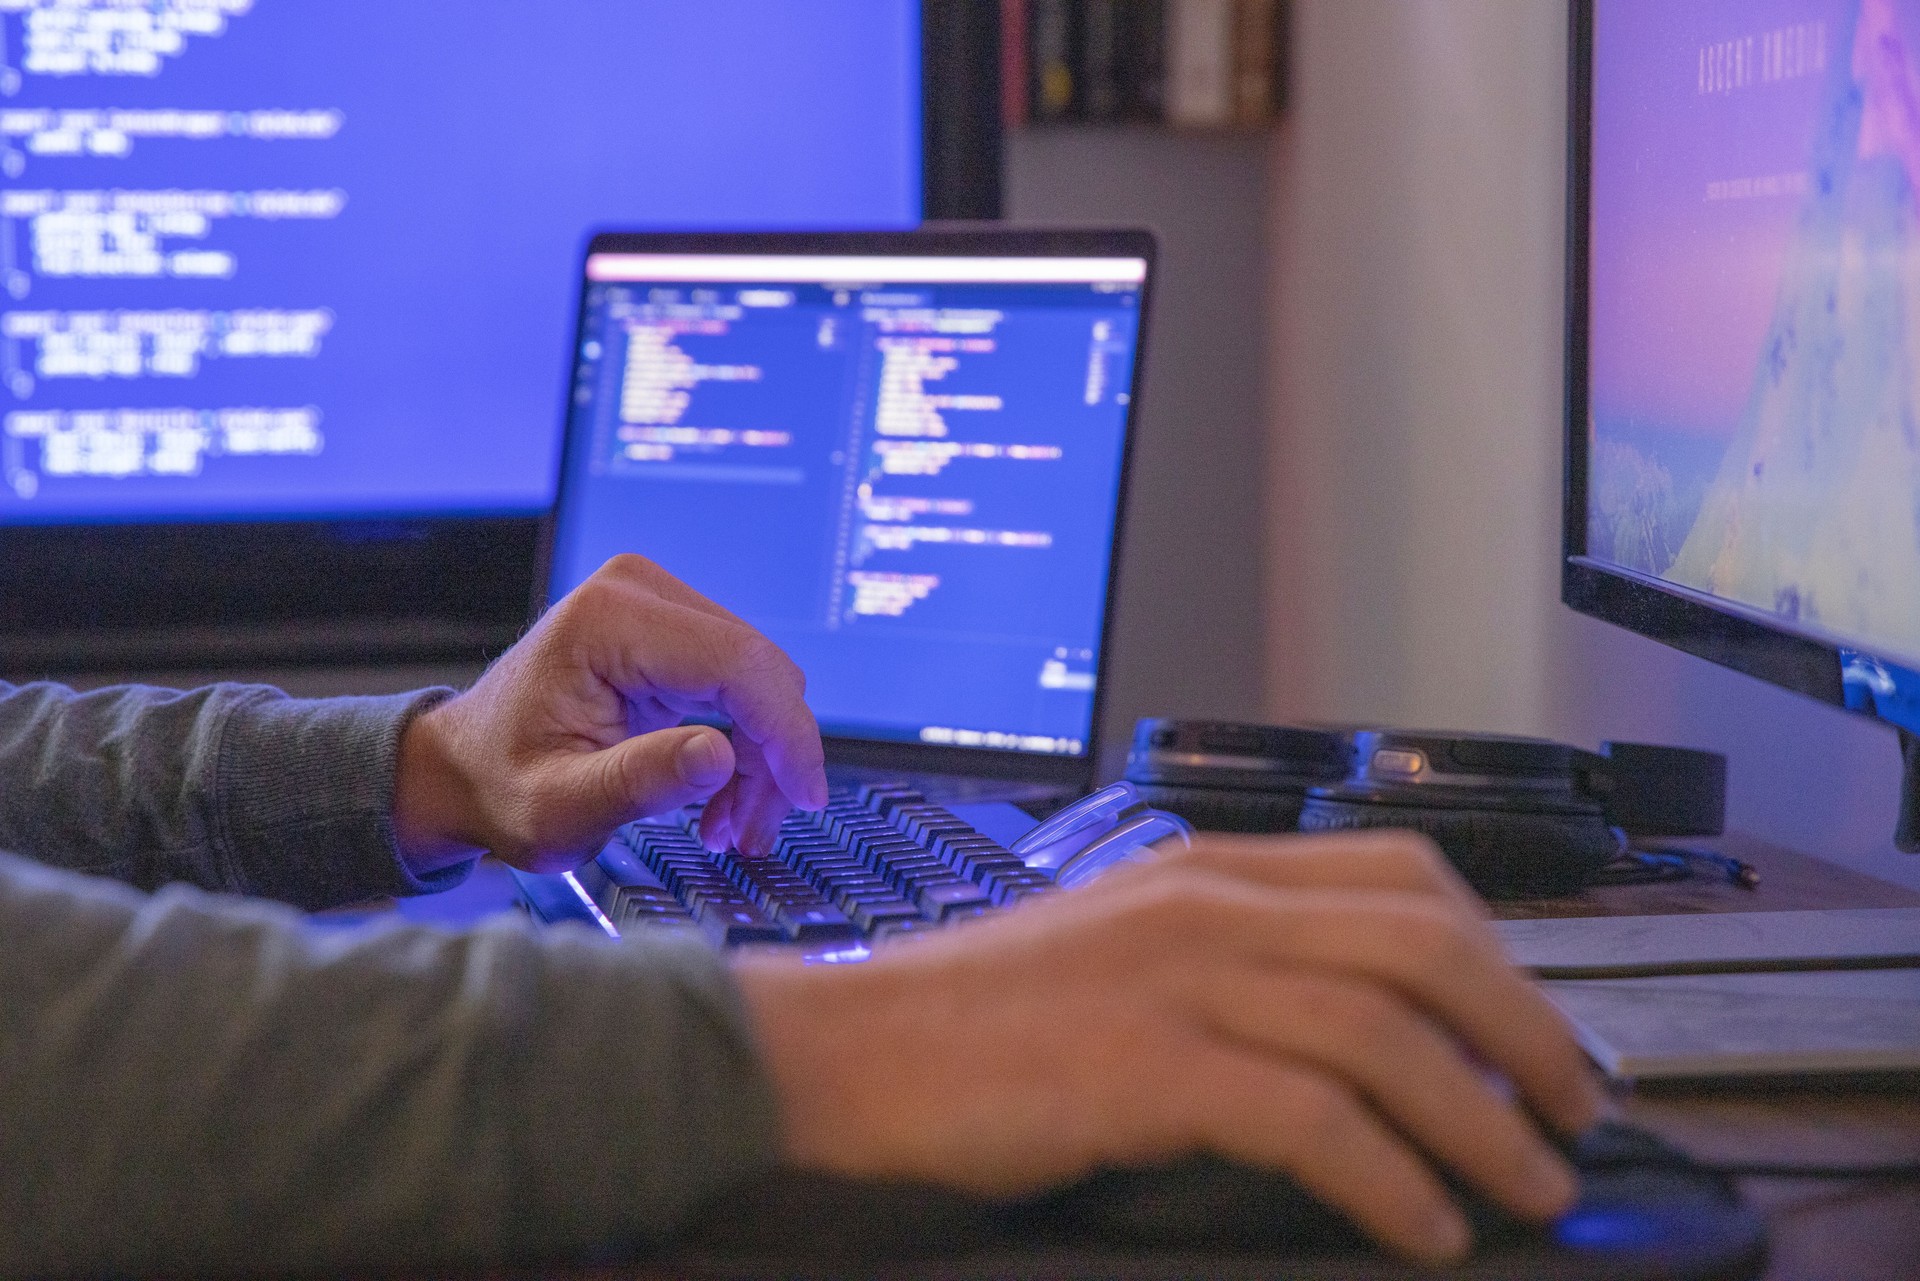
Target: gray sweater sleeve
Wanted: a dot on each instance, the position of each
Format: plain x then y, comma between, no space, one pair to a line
231,787
193,1084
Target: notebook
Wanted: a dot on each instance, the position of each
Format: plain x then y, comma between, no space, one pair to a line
1739,994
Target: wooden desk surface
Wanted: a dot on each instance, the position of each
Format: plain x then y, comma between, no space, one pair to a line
1849,1230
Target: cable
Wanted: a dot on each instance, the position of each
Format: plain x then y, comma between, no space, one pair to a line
1675,863
1634,868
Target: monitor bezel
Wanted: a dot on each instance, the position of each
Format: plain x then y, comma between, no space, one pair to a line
948,240
1669,615
388,588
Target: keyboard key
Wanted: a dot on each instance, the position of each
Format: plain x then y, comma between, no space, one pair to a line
881,797
631,914
870,917
973,863
622,866
822,923
737,922
939,899
905,925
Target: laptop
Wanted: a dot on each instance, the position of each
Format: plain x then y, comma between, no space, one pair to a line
903,456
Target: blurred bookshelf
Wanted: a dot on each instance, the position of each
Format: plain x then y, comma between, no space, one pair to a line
1188,65
1167,114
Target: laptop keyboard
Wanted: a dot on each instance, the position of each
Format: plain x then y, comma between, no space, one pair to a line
879,860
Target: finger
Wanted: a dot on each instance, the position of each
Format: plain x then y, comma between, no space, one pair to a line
771,714
663,770
759,804
691,659
1447,963
1408,1070
1387,859
1287,1117
716,820
580,798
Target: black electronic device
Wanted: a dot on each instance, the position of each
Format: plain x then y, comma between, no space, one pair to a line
1646,1211
1230,777
1517,816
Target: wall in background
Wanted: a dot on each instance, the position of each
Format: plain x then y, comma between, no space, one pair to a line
1190,633
1414,460
1415,449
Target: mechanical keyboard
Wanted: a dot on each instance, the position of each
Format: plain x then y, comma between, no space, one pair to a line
880,860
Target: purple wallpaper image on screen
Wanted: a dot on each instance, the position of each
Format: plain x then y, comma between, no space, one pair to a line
1754,340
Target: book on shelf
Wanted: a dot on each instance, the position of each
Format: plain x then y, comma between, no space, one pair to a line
1015,93
1201,64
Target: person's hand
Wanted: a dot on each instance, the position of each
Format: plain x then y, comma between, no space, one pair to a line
1332,1006
577,730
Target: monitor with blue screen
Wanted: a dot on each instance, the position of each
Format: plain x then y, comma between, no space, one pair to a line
285,285
291,258
901,457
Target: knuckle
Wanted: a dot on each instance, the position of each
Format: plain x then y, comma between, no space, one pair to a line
1320,1113
755,652
762,657
1179,904
1441,940
1365,1017
628,567
595,596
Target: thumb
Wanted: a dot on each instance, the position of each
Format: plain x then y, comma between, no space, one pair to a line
664,770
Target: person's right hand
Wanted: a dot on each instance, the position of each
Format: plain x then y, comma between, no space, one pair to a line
1332,1006
577,730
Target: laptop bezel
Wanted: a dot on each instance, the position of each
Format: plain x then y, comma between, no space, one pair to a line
948,240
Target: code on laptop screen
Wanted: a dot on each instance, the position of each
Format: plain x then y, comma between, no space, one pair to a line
905,471
314,258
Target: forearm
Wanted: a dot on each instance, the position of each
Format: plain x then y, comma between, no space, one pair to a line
195,1084
231,787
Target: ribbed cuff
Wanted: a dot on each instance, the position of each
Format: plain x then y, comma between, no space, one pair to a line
306,798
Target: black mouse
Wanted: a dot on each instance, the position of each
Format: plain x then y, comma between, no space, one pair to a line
1646,1211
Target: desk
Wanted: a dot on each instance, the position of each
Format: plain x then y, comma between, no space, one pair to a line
1843,1231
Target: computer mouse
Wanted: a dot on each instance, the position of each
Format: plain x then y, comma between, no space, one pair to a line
1646,1211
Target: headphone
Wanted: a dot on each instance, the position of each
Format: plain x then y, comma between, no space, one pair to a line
1518,817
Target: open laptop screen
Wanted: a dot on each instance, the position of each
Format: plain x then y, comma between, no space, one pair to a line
906,470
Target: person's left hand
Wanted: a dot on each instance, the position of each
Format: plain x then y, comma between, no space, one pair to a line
577,730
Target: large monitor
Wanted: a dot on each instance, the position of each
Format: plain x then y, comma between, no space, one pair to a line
1743,463
285,284
901,456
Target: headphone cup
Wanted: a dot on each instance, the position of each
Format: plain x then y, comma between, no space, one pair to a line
1501,853
1220,809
